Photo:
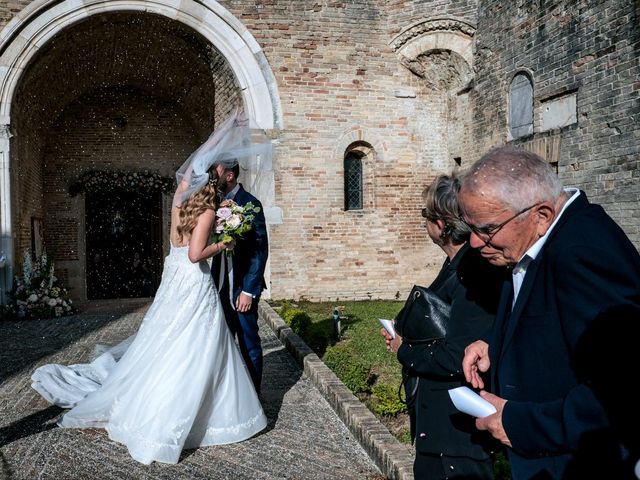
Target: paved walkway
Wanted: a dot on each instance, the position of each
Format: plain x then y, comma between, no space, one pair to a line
304,439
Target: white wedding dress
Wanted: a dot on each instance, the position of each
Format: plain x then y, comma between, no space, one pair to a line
179,382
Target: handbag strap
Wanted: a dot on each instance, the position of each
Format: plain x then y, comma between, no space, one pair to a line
410,400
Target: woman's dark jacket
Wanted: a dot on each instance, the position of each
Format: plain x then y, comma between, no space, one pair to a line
471,285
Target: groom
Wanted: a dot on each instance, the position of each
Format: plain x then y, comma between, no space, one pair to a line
246,270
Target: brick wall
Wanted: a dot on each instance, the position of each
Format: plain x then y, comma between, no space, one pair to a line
403,13
337,74
590,48
340,83
28,192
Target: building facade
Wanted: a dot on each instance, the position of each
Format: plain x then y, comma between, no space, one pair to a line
366,101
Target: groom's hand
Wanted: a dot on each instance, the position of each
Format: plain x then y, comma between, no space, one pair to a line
243,302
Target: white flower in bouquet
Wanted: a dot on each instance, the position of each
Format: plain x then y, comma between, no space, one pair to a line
234,221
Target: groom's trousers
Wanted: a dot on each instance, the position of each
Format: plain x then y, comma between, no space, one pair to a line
244,327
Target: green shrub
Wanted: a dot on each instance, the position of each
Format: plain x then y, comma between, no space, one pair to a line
285,305
297,319
385,400
318,338
351,371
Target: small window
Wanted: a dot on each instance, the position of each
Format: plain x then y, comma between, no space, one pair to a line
521,106
353,181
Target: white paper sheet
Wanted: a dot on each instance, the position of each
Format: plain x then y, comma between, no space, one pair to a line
468,401
388,326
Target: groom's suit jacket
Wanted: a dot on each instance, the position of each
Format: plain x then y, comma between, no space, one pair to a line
586,265
250,253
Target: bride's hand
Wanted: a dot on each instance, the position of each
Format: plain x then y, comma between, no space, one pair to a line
229,245
227,203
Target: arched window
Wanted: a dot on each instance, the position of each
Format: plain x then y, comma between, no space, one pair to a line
353,180
521,106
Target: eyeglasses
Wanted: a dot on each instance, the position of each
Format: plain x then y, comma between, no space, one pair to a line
487,232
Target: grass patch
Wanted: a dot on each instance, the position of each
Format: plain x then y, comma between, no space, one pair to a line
359,356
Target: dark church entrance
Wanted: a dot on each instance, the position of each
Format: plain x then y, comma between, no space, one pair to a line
123,244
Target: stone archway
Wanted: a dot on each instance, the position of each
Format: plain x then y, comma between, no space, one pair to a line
41,21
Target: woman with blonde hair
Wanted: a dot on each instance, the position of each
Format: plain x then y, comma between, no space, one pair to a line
180,381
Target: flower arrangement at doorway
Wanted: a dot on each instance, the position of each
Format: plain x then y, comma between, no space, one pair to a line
101,180
37,293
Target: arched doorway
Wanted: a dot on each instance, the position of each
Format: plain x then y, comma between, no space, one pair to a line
176,72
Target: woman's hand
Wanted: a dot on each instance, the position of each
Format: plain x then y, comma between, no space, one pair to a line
230,245
393,344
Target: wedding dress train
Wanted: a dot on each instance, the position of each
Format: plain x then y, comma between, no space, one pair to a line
179,382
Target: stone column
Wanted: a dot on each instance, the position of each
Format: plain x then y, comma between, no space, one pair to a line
6,232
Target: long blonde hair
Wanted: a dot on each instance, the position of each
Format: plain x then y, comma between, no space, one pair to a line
196,204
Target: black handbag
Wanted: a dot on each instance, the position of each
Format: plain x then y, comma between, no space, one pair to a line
424,317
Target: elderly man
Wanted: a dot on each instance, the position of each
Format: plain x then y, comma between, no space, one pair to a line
569,262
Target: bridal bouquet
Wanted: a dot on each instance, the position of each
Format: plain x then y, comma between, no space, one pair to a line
232,221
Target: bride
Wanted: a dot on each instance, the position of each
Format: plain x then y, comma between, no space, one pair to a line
180,381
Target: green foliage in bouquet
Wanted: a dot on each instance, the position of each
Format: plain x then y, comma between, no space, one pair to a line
37,293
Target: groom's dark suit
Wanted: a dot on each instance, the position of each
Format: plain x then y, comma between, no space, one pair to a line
586,266
249,259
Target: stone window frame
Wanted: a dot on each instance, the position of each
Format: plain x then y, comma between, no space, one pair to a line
373,153
366,154
526,128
